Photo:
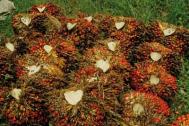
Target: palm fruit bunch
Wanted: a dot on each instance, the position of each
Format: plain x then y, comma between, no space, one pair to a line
144,109
24,106
107,56
98,70
105,87
181,121
156,52
151,77
34,24
73,107
127,30
79,30
173,37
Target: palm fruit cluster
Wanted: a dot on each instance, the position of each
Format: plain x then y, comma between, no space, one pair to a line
98,70
144,109
181,121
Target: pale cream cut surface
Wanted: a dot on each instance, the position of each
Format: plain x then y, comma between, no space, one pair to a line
89,19
169,31
138,109
119,25
16,93
155,56
103,65
112,46
73,97
41,9
33,69
154,80
47,48
26,20
10,46
70,26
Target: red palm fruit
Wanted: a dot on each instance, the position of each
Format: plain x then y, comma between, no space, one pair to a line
150,77
144,109
136,37
156,52
79,30
25,106
86,74
31,25
48,8
181,121
130,26
72,107
68,51
107,57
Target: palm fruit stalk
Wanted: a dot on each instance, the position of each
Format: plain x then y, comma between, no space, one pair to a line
73,107
150,77
157,53
25,106
144,109
181,121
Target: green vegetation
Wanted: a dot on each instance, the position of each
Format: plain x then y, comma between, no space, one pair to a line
172,11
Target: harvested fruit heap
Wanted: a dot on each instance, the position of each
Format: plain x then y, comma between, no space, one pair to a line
89,70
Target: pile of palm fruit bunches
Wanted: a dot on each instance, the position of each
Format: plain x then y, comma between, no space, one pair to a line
89,70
